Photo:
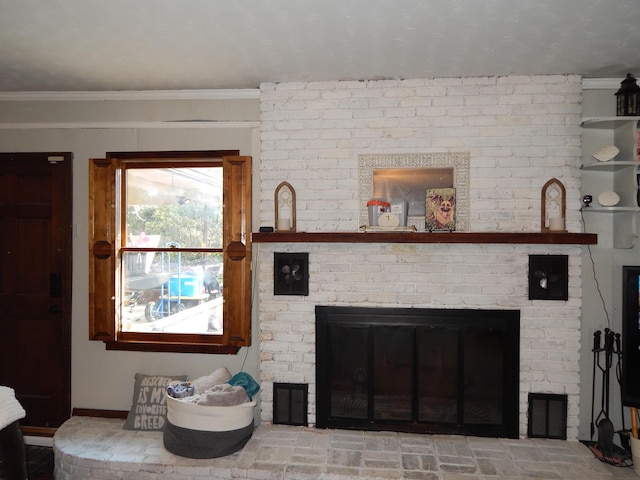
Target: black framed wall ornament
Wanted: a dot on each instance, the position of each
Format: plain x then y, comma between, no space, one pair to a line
548,277
290,273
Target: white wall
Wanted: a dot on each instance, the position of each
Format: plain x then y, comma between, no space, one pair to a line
520,132
89,129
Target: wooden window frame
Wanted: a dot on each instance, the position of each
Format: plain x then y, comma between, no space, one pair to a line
105,233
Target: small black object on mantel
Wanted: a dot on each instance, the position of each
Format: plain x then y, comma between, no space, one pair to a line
266,229
628,97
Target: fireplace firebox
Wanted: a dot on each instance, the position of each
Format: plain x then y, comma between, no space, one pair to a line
453,371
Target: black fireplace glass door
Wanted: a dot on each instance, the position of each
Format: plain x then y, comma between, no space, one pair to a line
438,375
418,370
392,373
349,377
483,377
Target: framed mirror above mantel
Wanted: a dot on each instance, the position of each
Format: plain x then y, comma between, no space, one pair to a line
409,175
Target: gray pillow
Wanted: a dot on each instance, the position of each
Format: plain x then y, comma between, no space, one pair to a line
149,406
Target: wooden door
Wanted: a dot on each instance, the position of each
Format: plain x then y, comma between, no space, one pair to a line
35,284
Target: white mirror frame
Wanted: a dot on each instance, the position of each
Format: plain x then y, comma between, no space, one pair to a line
459,161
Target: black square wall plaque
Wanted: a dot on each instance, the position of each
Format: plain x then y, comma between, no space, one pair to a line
548,277
290,273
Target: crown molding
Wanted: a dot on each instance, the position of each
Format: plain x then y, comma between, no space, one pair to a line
222,94
600,83
189,124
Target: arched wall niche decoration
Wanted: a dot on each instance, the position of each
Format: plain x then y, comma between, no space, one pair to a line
285,207
553,206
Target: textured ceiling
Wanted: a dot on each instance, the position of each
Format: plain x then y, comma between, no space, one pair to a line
91,45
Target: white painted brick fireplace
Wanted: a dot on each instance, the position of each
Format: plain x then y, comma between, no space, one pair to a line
520,131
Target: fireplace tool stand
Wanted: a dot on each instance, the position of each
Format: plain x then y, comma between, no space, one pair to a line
603,362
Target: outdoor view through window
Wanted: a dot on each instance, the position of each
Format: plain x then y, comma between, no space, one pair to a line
172,267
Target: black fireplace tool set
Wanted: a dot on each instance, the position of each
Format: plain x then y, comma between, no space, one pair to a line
605,354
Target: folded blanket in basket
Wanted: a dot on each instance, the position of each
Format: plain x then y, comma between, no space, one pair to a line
204,383
10,408
223,395
243,379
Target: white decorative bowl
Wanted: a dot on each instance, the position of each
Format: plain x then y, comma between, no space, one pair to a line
606,153
608,199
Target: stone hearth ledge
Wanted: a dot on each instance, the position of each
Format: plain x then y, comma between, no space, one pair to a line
90,447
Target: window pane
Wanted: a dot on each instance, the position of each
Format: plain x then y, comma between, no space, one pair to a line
174,207
172,292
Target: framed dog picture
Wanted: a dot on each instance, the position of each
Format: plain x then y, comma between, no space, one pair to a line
441,209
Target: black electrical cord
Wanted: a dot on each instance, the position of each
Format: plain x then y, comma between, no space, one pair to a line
595,278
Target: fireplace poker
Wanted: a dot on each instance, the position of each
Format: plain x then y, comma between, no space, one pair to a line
596,350
608,359
618,352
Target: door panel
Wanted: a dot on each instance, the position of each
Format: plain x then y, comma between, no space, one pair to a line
35,286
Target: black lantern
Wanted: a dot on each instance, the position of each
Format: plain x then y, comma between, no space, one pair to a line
628,97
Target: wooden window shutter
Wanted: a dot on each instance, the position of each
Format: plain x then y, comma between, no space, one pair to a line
102,251
237,248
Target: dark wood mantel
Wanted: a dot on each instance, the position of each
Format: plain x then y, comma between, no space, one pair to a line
426,237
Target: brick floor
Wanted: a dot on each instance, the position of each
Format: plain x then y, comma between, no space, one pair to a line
88,448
